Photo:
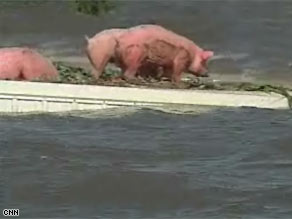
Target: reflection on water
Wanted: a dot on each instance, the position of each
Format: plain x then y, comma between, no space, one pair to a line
224,163
251,37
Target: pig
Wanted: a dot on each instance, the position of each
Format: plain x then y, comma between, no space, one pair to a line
21,63
100,49
154,55
145,44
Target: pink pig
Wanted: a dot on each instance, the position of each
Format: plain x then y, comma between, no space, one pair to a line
148,44
148,59
101,49
25,64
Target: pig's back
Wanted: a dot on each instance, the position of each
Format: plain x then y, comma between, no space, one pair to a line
38,65
11,62
11,57
149,32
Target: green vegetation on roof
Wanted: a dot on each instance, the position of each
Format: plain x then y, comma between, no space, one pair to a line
78,75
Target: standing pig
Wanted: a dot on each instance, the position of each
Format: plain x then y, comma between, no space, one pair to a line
101,49
154,44
25,64
149,58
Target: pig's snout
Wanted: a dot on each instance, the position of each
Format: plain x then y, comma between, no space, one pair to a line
201,72
204,75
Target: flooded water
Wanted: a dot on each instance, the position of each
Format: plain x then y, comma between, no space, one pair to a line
224,163
253,38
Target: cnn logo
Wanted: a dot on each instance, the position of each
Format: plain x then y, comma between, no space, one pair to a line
11,212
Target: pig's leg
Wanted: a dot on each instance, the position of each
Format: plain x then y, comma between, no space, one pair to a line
98,59
177,72
132,59
179,65
160,73
148,71
99,66
167,73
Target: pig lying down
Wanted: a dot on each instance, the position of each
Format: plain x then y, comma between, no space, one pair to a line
135,49
25,64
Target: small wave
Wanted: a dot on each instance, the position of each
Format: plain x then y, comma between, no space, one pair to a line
112,112
116,112
56,43
232,56
185,109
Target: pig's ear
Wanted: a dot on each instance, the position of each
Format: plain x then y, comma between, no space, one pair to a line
86,38
207,54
